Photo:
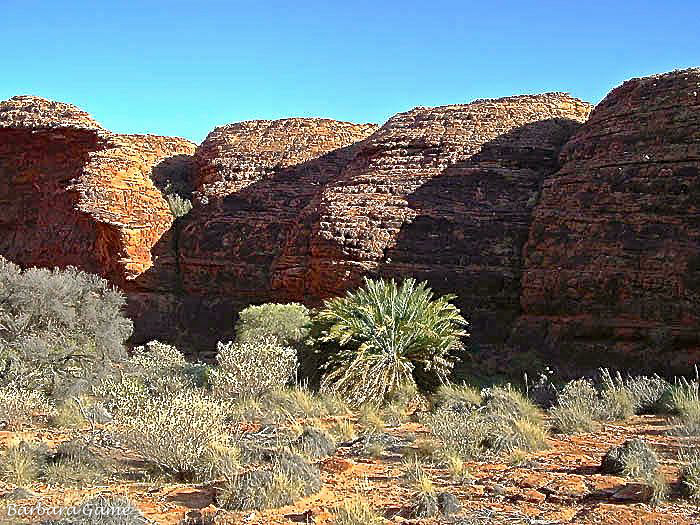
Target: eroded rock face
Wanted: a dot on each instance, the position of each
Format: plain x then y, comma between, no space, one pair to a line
255,180
445,194
612,263
75,194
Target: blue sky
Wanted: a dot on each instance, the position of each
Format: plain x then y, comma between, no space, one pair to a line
181,68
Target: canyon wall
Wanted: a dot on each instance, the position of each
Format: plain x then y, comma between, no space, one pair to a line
567,239
612,262
76,194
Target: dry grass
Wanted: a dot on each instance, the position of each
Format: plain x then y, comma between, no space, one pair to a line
356,511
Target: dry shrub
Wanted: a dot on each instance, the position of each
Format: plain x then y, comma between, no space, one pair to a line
177,434
505,421
690,476
636,459
23,463
252,368
356,511
577,407
20,407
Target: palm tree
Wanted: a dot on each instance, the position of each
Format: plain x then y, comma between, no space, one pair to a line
389,335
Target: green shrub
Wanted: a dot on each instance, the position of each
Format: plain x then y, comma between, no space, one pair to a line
288,323
389,335
61,329
252,368
20,407
179,206
176,434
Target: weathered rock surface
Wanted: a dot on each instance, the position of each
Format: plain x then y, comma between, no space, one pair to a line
612,263
444,194
75,194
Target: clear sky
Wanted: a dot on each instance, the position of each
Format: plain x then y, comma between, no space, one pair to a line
181,68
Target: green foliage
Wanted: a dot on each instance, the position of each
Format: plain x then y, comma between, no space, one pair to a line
288,323
179,206
286,478
684,400
59,329
23,463
389,335
356,511
636,459
252,368
457,397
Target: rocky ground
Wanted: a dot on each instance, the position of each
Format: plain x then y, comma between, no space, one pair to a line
561,484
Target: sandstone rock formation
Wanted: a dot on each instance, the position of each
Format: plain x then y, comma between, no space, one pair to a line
445,194
612,264
75,194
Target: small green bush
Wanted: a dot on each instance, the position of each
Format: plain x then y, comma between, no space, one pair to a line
389,335
252,368
289,324
179,206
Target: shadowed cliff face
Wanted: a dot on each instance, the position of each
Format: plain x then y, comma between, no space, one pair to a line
75,194
442,194
612,263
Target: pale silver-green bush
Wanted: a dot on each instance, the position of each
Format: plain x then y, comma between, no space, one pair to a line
252,368
179,434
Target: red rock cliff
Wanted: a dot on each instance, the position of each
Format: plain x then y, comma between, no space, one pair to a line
75,194
612,263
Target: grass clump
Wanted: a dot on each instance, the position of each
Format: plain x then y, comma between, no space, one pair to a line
23,463
178,205
176,434
285,479
252,369
505,421
577,408
690,476
458,398
314,443
389,336
684,401
636,459
356,511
